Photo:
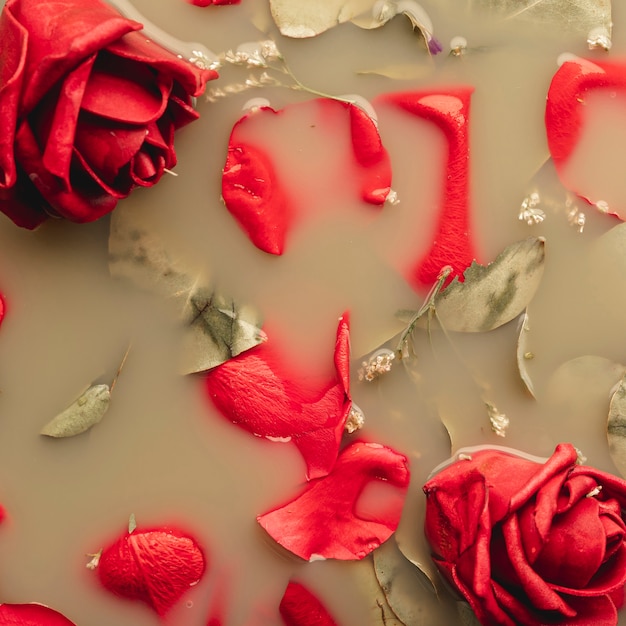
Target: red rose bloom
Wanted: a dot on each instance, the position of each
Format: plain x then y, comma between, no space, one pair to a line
530,543
88,108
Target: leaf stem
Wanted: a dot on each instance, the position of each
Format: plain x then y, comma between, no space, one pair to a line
428,305
119,369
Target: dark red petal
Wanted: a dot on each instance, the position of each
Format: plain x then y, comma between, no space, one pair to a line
59,140
253,193
299,607
258,392
84,202
154,566
566,103
597,611
452,240
61,35
136,47
14,39
322,522
3,310
31,615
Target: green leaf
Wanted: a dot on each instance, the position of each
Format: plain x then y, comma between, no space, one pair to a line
572,15
524,355
132,523
86,411
616,427
492,295
303,18
216,327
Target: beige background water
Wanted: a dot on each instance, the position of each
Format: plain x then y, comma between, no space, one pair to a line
162,453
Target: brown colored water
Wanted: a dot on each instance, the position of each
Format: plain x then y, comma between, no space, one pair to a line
163,454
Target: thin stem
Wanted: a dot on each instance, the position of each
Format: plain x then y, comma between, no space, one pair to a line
119,369
428,305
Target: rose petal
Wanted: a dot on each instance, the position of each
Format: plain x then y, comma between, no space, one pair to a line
257,392
154,566
599,611
255,194
322,523
136,47
208,3
452,241
565,105
299,607
12,63
125,91
84,202
31,615
3,309
61,35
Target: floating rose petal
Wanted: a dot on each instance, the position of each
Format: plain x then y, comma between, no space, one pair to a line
155,566
31,615
3,308
257,392
255,194
299,607
565,106
452,243
323,521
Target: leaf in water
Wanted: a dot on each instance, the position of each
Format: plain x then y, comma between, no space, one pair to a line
523,353
399,71
492,295
216,328
468,617
301,18
132,523
573,15
86,411
616,427
408,590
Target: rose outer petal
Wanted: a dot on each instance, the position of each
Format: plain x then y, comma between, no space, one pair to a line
257,392
322,523
31,615
299,607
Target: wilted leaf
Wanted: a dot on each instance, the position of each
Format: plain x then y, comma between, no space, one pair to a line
408,591
301,18
217,328
468,617
523,353
492,295
86,411
616,427
574,15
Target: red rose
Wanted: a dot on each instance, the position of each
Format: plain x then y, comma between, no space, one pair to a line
527,542
88,108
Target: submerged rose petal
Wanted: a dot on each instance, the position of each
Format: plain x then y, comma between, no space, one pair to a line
209,3
452,240
257,392
31,615
299,607
255,194
565,107
155,566
323,522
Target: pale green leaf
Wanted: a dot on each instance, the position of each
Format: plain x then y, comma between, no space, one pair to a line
573,15
132,523
216,327
524,354
492,295
616,427
302,18
86,411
